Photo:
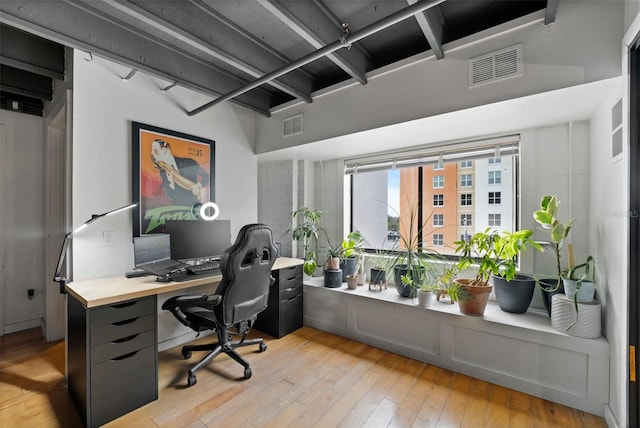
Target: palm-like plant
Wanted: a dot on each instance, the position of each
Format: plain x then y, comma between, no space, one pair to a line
307,230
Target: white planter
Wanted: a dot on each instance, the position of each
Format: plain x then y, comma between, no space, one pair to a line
424,298
584,323
585,294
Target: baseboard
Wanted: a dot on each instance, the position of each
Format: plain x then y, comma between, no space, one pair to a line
22,325
610,418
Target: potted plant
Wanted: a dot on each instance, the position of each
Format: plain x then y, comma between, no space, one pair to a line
350,246
496,254
307,231
334,255
379,268
546,217
424,290
581,288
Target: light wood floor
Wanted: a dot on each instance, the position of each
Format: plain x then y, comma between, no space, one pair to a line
306,379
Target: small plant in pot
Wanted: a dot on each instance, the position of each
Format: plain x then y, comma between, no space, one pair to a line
546,217
351,246
424,290
580,282
496,255
307,231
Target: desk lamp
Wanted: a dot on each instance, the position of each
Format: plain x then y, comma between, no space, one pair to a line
61,280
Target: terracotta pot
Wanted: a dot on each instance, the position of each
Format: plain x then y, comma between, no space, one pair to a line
352,282
333,263
479,297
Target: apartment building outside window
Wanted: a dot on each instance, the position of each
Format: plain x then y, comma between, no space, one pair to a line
390,187
495,177
493,161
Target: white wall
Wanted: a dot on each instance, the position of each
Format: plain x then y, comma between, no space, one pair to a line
22,231
103,107
582,46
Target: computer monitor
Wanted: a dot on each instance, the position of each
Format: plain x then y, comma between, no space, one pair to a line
198,239
151,248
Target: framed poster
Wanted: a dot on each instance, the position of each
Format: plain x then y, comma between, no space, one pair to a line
173,175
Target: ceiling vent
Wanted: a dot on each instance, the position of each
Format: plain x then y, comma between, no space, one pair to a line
292,125
494,66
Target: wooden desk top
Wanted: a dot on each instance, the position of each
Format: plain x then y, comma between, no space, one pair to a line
106,291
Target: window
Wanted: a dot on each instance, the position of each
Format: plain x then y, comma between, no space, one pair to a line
494,198
493,161
438,166
495,177
385,191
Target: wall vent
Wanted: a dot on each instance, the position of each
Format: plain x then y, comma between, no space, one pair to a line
494,66
292,125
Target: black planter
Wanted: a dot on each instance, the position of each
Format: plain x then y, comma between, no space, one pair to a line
348,267
515,295
549,287
333,278
404,290
378,276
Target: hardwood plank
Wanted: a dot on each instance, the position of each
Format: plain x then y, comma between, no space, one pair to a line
308,378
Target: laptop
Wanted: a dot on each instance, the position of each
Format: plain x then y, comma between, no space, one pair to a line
152,254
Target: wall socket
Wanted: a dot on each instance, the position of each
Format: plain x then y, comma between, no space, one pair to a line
108,238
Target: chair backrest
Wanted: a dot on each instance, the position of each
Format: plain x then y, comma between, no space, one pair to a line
246,275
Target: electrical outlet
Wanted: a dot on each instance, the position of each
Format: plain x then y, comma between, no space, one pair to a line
108,238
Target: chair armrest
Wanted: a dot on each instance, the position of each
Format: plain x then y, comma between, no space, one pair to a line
177,304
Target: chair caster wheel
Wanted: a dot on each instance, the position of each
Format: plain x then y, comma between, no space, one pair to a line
262,347
186,354
247,373
191,379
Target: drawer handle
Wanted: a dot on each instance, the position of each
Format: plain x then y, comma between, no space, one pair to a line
294,297
291,289
124,305
125,339
125,356
129,321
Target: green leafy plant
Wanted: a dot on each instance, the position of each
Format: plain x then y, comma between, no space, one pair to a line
495,253
546,217
457,293
307,231
588,274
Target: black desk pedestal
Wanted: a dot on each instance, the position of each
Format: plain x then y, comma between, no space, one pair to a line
284,311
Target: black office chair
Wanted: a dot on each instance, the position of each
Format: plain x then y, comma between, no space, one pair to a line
240,297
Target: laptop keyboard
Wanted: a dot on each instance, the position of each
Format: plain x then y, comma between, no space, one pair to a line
204,267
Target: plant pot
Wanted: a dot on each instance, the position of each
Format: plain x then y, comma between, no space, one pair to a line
424,298
362,278
333,263
479,297
333,278
352,282
348,267
514,296
403,290
549,288
378,276
585,294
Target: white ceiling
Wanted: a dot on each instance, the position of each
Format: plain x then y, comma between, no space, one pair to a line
544,109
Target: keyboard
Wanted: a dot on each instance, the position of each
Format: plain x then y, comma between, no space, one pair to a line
204,267
163,267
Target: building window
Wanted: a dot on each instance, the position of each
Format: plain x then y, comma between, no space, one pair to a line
466,199
495,219
438,239
466,180
466,164
438,181
438,200
493,161
494,198
438,166
438,220
465,219
495,177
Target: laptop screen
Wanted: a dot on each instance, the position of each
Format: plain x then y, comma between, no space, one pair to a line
151,248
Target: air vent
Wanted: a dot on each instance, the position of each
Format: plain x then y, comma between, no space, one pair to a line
495,66
292,125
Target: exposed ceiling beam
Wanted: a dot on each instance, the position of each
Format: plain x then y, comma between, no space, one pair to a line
25,83
309,21
191,26
390,20
550,13
80,26
27,52
431,23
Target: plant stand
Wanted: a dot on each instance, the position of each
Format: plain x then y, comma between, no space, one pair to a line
377,286
563,317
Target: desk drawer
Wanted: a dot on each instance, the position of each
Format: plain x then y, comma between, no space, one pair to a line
290,277
290,293
121,329
123,311
120,347
290,315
